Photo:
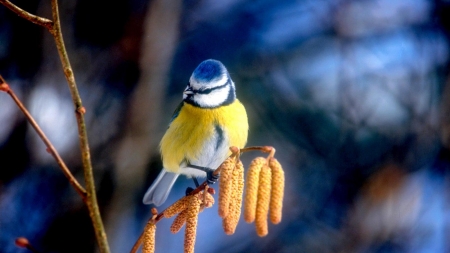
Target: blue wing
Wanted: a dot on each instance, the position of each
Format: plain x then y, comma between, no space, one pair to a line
177,111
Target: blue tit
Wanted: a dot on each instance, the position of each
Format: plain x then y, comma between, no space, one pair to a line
207,122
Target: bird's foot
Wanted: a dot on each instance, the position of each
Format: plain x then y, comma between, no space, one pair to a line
211,178
189,190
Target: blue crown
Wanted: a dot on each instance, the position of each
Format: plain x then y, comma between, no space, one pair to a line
208,70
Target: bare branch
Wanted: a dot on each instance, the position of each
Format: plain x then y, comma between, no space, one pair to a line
50,148
90,198
47,23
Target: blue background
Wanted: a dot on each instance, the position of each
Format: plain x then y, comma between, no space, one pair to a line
354,95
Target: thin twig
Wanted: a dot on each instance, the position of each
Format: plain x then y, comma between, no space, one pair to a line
54,28
23,242
47,23
138,243
91,200
235,153
50,148
265,149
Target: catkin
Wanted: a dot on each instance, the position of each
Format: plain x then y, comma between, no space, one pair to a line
191,224
251,188
230,222
262,206
277,191
149,238
177,207
178,222
208,200
226,186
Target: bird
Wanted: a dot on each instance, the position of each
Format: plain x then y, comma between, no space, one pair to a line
206,123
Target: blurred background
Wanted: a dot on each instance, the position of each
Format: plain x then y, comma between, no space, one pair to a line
354,95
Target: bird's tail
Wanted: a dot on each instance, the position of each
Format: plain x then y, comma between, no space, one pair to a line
159,190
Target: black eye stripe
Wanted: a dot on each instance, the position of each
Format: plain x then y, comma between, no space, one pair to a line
209,90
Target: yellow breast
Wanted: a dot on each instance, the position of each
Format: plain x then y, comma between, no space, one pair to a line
187,133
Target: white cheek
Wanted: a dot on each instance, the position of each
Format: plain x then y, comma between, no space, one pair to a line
213,99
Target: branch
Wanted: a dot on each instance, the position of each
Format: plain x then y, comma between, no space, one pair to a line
91,200
50,148
54,28
28,16
235,152
23,242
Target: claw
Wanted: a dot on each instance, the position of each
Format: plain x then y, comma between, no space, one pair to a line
211,178
189,190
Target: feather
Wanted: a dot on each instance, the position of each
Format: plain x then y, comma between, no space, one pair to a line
160,189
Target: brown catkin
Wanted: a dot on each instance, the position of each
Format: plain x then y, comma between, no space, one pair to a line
178,222
251,188
238,178
208,200
177,207
226,186
277,191
262,206
149,238
191,224
230,222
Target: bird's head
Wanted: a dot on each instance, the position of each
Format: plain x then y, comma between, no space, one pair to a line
210,86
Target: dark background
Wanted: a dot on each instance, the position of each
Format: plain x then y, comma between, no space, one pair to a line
354,95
